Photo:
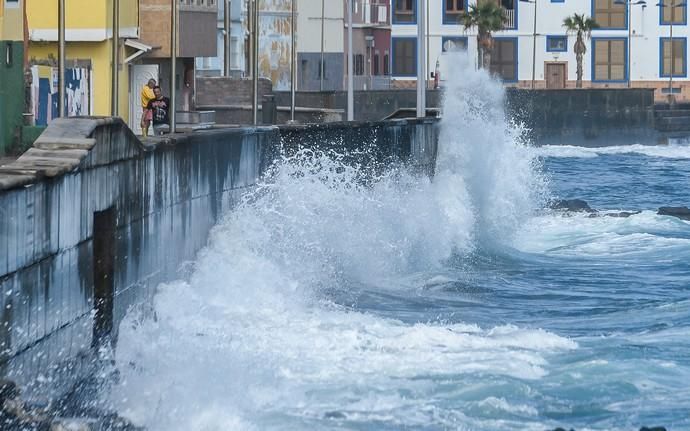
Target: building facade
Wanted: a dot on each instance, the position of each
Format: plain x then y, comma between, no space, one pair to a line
215,65
320,29
88,51
12,99
631,47
197,28
371,43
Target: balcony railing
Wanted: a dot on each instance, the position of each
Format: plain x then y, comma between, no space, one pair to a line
375,14
377,82
510,19
198,4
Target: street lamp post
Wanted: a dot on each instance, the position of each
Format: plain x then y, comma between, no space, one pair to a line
350,67
293,59
61,58
534,40
421,59
173,65
630,4
673,5
115,83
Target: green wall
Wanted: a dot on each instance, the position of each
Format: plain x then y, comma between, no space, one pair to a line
11,94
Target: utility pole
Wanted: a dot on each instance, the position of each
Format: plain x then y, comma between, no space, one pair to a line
321,65
173,64
255,65
61,58
350,68
534,44
227,39
630,4
115,86
421,59
293,60
428,42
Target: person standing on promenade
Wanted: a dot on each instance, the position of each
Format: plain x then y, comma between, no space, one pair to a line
159,107
147,95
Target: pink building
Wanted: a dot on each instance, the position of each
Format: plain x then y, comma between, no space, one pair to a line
371,40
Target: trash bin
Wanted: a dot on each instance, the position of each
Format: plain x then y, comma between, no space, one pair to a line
269,110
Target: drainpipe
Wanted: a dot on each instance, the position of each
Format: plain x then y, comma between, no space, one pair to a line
115,86
61,58
173,64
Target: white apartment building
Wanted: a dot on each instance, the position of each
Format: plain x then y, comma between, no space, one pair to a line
632,43
214,66
320,30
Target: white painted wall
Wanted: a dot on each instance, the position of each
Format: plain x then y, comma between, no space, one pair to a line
309,25
646,32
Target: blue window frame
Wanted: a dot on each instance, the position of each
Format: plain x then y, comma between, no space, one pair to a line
612,64
607,13
666,12
504,58
556,43
557,1
452,43
404,12
680,52
452,10
404,56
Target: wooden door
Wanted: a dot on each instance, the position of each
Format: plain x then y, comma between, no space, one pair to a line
555,75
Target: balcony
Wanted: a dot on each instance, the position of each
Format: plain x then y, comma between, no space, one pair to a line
199,5
510,19
367,13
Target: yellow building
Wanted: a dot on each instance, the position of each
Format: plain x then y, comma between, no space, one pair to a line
88,55
11,18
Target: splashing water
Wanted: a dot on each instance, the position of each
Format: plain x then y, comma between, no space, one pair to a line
252,340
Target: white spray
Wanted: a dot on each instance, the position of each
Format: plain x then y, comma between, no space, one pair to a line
251,342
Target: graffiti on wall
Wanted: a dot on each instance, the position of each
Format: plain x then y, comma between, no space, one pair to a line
44,92
274,41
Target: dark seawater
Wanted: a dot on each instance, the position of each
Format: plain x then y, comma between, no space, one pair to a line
457,303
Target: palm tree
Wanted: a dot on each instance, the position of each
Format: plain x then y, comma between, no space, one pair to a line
488,17
583,26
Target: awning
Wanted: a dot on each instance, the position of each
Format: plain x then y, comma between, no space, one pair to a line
141,48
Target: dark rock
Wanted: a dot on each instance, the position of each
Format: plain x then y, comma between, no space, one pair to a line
653,429
334,415
622,214
8,390
562,429
682,213
571,205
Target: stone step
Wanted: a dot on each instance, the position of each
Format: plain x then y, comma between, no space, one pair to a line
672,113
666,107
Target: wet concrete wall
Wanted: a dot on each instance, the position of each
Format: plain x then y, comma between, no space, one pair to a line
92,220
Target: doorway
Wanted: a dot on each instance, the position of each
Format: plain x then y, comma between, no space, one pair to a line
138,77
555,75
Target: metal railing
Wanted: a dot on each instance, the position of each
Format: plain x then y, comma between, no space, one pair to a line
198,4
373,82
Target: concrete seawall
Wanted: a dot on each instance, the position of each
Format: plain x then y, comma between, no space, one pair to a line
92,220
